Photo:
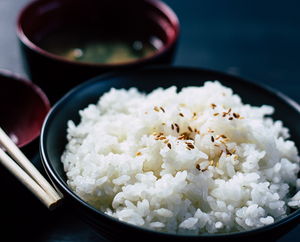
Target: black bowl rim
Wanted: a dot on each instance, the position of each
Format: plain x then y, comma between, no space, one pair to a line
163,7
50,171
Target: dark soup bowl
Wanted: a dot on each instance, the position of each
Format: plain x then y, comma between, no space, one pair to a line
53,143
23,108
66,42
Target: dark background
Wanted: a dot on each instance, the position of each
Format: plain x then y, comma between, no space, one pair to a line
255,39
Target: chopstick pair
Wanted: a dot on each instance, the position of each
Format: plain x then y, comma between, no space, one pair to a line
29,175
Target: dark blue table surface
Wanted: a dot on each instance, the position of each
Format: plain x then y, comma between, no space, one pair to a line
255,39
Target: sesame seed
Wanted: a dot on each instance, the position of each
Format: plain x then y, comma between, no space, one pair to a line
224,114
138,153
177,127
223,93
156,109
227,155
162,109
160,134
208,130
145,112
217,145
166,141
241,117
221,152
212,139
195,130
163,123
229,110
204,169
198,166
218,137
169,145
233,152
181,137
211,162
190,145
226,140
235,158
223,136
236,115
162,137
216,114
230,118
195,118
181,114
172,126
217,165
198,132
154,134
213,105
190,129
188,148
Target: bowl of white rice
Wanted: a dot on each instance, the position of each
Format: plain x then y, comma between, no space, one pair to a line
176,153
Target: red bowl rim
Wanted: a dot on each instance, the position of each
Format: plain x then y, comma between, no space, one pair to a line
17,77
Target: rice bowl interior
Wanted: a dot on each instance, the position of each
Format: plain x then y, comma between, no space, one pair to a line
190,162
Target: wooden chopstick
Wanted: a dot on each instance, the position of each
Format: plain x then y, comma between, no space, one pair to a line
47,194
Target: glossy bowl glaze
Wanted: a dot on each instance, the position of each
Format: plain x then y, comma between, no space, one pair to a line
53,141
23,108
56,75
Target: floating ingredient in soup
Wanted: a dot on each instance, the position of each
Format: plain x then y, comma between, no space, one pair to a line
83,46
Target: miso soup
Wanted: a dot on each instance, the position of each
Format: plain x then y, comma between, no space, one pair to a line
86,46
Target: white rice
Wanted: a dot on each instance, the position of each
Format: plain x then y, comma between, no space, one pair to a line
233,171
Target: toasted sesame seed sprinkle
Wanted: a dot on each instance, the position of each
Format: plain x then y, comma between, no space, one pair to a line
138,153
177,127
230,118
235,158
162,137
166,141
228,155
194,114
172,126
217,145
163,123
190,129
216,114
208,130
195,118
229,110
156,109
241,117
212,162
198,132
212,138
226,140
195,130
190,145
198,166
218,137
217,164
169,145
205,169
181,114
154,134
233,152
162,109
224,114
223,136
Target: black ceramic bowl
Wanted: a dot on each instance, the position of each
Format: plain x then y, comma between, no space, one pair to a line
82,23
23,108
53,141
